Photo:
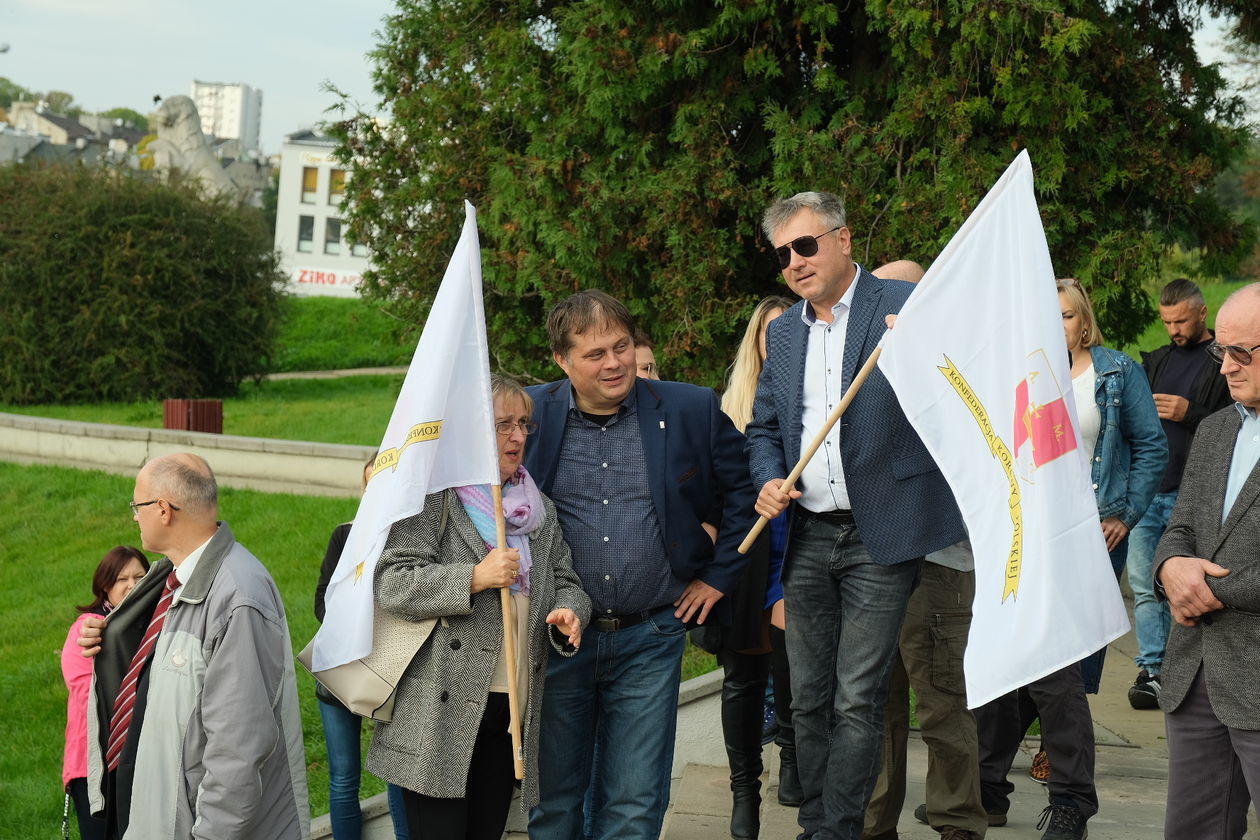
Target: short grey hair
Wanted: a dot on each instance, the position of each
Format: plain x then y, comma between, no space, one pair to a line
187,481
828,206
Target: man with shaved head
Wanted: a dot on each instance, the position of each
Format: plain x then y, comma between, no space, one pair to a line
194,729
1208,568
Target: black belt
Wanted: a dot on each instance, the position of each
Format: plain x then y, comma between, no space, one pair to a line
842,518
613,623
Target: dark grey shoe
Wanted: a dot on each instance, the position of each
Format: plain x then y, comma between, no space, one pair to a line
1062,822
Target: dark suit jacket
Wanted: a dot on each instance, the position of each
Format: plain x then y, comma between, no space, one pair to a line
694,454
901,504
1226,642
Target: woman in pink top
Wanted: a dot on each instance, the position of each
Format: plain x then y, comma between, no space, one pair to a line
118,572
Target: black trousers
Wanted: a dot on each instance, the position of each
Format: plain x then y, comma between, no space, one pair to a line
90,827
482,813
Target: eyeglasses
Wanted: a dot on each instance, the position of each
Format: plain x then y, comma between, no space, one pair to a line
135,506
806,246
1239,354
1068,281
505,428
647,367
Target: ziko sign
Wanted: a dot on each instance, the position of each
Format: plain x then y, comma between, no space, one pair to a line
319,281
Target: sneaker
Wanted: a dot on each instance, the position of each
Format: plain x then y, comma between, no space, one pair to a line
1065,822
949,832
1040,770
769,724
1144,693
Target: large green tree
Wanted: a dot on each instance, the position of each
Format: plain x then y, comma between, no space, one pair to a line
117,287
632,146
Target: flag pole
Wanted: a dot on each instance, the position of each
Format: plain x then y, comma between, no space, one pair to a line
509,641
790,481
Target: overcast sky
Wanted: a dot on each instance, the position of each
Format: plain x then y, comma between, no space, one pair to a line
120,53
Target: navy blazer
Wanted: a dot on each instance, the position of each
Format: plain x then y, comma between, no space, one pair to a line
901,503
695,462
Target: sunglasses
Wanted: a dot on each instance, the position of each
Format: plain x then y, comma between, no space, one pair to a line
1239,354
806,246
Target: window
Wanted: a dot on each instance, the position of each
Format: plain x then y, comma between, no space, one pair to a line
359,249
332,236
336,186
310,181
306,234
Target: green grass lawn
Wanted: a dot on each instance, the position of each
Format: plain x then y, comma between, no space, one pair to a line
352,409
326,333
57,524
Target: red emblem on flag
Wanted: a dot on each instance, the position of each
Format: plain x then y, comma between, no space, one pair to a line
1042,418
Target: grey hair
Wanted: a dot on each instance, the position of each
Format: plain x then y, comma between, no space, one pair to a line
828,207
1182,290
186,481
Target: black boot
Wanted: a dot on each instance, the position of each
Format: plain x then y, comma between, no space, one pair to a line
743,692
790,793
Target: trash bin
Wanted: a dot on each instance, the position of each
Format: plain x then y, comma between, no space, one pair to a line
193,415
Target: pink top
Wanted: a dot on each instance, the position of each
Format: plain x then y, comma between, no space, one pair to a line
77,671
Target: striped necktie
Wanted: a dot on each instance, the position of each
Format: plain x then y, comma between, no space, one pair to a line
125,704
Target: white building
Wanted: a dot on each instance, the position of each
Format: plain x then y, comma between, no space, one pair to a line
310,235
229,111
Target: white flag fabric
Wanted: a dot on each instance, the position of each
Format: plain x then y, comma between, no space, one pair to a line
980,365
440,435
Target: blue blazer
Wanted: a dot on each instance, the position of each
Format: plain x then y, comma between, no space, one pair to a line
901,504
695,463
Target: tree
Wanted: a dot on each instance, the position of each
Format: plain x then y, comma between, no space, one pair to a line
119,287
633,147
60,102
127,115
11,92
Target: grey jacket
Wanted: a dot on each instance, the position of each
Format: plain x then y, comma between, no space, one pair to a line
1226,642
219,753
441,697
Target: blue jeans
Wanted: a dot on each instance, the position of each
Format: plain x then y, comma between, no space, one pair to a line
1151,618
616,702
341,734
844,616
1092,665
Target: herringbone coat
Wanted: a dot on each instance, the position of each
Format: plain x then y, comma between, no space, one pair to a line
1226,642
441,697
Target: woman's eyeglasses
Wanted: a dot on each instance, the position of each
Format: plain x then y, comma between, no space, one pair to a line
505,428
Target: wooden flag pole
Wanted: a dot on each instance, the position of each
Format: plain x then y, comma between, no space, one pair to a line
795,474
509,642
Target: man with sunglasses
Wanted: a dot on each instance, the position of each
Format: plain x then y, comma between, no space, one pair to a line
1187,387
1208,567
871,503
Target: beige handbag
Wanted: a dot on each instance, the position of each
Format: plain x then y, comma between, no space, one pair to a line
366,686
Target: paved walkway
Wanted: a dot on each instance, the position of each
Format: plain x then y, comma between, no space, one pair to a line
1131,776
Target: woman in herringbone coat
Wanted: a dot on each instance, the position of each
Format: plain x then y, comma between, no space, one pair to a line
448,745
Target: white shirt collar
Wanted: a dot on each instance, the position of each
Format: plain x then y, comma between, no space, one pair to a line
845,302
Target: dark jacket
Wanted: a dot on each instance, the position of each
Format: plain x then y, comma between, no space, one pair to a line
1211,391
694,455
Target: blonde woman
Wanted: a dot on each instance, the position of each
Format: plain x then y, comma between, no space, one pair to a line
754,641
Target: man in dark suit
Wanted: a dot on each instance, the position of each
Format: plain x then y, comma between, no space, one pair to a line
870,505
634,467
1208,567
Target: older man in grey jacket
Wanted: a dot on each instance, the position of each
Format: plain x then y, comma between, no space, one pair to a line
1208,567
195,731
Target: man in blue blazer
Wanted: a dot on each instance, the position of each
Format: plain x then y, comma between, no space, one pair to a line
635,467
870,504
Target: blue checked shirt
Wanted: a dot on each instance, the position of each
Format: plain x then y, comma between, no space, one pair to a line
605,506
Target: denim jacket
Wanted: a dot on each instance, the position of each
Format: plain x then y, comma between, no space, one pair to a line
1131,452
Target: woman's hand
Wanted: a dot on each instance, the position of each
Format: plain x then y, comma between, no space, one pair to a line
1114,531
567,622
496,570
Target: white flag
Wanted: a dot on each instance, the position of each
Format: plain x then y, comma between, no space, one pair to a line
980,365
440,435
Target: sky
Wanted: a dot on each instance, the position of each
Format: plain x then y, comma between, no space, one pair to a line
120,53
